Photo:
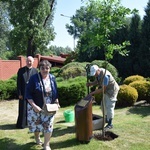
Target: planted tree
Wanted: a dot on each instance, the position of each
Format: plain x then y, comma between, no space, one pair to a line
109,16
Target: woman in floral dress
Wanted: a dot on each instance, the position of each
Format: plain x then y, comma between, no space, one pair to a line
37,120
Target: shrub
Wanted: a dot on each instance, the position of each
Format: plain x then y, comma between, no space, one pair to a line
14,77
59,79
8,89
133,78
72,90
54,71
72,70
143,89
98,98
127,96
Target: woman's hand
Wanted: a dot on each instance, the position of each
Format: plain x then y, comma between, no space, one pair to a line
36,108
57,102
58,105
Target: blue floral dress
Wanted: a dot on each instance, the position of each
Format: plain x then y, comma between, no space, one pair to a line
39,122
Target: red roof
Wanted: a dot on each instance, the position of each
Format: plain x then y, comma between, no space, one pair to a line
57,59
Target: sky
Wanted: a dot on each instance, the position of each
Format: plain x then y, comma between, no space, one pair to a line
68,9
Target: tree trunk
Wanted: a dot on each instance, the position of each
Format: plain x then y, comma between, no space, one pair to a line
31,47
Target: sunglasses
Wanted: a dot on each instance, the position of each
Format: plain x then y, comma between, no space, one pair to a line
45,68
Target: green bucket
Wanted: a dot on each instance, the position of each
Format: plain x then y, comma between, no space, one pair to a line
69,115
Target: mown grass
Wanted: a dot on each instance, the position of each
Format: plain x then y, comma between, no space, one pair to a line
132,124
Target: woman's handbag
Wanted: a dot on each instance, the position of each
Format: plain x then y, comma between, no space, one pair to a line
48,109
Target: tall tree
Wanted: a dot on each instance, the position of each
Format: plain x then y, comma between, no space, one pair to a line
119,37
95,23
144,53
32,25
135,41
4,29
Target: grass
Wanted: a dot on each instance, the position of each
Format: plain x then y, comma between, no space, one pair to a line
132,124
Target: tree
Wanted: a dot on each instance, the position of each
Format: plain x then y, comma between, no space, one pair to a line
94,24
121,35
144,52
107,17
32,25
4,30
58,50
134,38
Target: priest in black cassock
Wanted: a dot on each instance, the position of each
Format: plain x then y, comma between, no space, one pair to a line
23,77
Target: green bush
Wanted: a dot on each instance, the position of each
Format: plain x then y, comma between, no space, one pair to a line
72,70
59,79
143,89
8,89
14,77
133,78
55,71
127,96
72,90
98,98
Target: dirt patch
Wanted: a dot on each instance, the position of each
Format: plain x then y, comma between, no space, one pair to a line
8,110
109,135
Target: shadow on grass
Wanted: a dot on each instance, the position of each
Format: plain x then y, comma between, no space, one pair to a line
62,131
10,144
66,144
140,110
8,127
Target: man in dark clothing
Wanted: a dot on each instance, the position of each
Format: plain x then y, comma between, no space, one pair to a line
23,77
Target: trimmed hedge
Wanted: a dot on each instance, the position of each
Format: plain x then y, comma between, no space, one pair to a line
72,90
74,69
143,89
8,89
133,78
127,96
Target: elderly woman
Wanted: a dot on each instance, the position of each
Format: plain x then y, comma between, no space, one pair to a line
37,120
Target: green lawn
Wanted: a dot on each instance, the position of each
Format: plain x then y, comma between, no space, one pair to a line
132,124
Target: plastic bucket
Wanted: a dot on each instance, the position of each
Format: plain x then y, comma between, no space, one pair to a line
69,115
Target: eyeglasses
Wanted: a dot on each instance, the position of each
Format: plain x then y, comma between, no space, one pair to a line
45,68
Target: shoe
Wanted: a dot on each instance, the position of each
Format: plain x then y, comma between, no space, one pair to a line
47,148
107,127
38,141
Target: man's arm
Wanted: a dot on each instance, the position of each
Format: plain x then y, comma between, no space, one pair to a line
95,82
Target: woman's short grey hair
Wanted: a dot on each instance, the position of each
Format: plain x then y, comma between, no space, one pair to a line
45,63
